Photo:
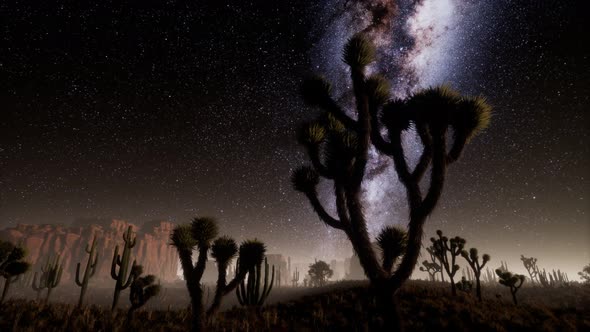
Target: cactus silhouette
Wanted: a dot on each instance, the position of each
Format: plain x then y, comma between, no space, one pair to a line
464,285
473,259
88,272
447,252
122,278
295,278
200,234
49,278
12,265
338,149
513,281
142,289
249,292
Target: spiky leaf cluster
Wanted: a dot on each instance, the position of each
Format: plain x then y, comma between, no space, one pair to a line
509,279
224,249
204,230
305,179
311,134
377,88
473,114
358,52
396,116
251,253
182,237
392,241
316,90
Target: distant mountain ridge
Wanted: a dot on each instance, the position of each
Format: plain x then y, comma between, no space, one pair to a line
152,249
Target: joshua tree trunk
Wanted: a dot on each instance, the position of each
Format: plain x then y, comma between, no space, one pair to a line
388,307
514,297
453,287
198,321
478,287
5,290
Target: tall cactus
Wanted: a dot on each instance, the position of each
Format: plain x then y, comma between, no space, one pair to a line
447,252
249,293
88,272
473,259
338,147
12,265
123,279
49,278
513,281
295,278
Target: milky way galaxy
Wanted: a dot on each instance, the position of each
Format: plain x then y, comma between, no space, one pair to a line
169,110
416,41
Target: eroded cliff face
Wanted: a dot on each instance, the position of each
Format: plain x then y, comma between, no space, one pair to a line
151,249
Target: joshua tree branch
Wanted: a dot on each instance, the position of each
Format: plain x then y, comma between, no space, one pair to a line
426,156
319,209
376,138
330,106
314,154
201,262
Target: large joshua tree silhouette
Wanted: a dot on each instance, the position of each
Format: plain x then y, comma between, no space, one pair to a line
338,145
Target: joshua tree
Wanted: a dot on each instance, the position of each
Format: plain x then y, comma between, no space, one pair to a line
585,274
250,294
464,285
12,265
88,272
295,279
473,259
530,264
338,146
122,261
200,235
513,281
443,248
142,289
319,272
224,249
432,267
49,278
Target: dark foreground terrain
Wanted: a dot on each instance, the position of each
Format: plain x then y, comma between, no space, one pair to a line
425,306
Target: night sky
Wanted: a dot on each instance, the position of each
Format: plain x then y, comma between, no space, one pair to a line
182,108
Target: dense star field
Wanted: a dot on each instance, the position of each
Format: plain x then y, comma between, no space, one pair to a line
178,109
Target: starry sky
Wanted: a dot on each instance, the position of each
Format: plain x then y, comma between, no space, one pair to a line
173,109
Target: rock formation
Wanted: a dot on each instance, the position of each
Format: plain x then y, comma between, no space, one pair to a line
152,249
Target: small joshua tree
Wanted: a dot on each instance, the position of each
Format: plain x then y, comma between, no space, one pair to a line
319,272
12,265
142,289
464,285
123,279
338,147
585,274
513,281
431,268
88,272
251,253
249,293
447,252
200,234
473,259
